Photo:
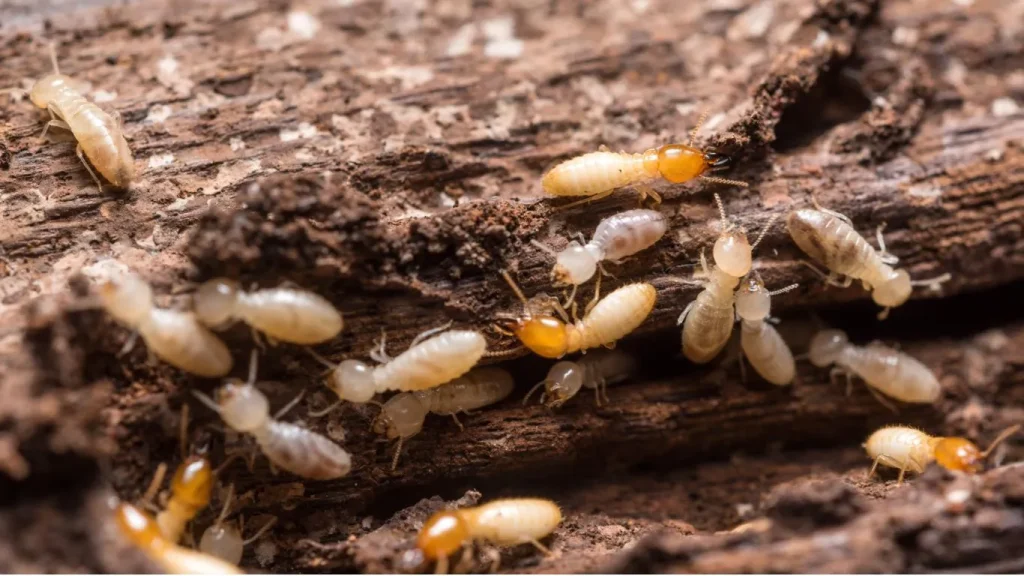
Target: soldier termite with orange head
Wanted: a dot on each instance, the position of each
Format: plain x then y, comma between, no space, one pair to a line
598,174
595,370
175,337
610,320
909,449
288,446
224,540
143,532
99,135
829,238
507,522
402,415
888,371
762,345
285,314
708,320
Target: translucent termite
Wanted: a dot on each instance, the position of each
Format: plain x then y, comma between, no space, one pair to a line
288,446
617,238
402,416
175,337
884,369
598,174
762,345
284,314
144,533
595,371
224,540
829,239
909,449
507,522
610,320
99,135
708,320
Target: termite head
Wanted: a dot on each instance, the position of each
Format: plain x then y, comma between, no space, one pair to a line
894,291
443,534
680,163
717,162
214,302
732,252
401,417
224,541
47,88
959,454
544,335
564,381
137,526
574,265
128,298
826,346
352,380
242,406
753,302
193,482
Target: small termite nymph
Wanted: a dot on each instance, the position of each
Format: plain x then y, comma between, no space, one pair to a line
288,446
617,238
909,449
402,415
888,371
142,531
829,239
611,319
224,540
762,345
708,320
175,337
285,314
99,135
507,522
596,371
598,174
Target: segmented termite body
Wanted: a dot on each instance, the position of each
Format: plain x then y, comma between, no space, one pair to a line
910,449
762,344
616,238
889,371
176,337
506,522
99,135
191,488
595,371
143,532
285,314
610,320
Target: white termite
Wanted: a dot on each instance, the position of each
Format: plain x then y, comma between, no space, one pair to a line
762,345
910,449
288,446
595,371
285,314
176,337
224,540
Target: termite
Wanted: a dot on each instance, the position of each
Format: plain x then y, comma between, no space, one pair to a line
191,487
596,371
176,337
288,446
284,314
99,135
144,533
884,369
402,416
224,540
598,174
506,522
910,449
428,362
762,345
616,238
829,238
708,320
610,320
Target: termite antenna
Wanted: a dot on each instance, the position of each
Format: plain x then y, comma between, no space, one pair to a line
515,288
53,57
253,365
154,485
784,290
259,532
544,247
933,282
999,439
700,122
209,402
532,390
764,231
503,353
725,181
183,431
721,212
227,505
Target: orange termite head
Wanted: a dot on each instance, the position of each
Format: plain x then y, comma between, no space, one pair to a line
444,533
193,482
137,526
679,163
959,454
544,335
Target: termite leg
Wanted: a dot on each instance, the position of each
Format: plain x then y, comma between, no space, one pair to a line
882,252
379,353
455,417
597,296
536,543
260,532
287,407
874,466
586,200
81,156
646,191
129,344
257,339
597,395
903,472
884,313
428,333
570,300
604,392
686,311
325,411
828,278
882,400
495,556
442,565
154,486
884,459
820,208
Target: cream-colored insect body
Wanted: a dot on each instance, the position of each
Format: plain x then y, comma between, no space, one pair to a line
888,371
762,345
617,238
598,174
224,540
595,371
909,449
402,415
99,135
288,446
143,532
285,314
610,320
708,320
507,522
175,337
829,239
